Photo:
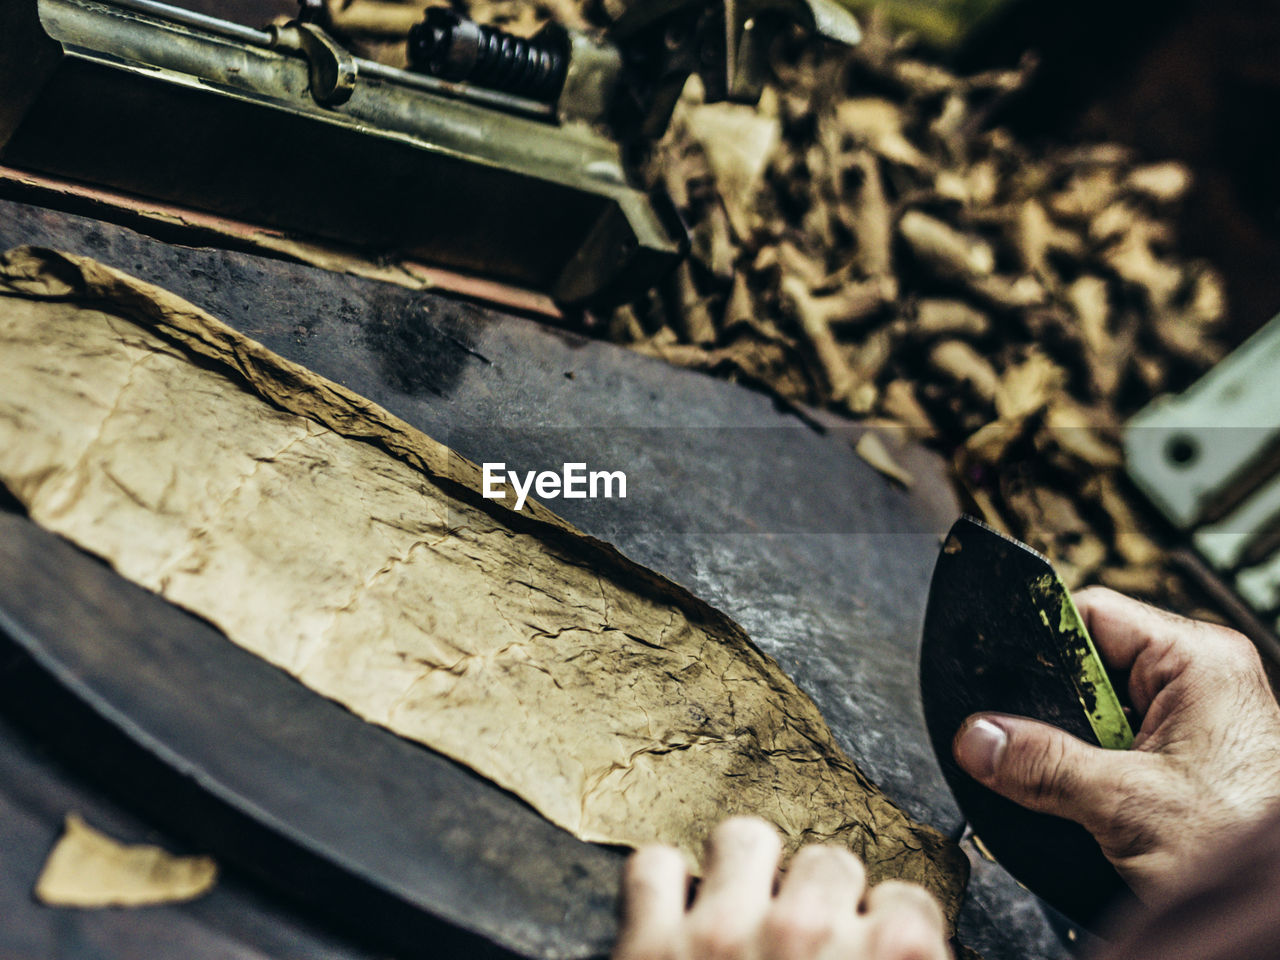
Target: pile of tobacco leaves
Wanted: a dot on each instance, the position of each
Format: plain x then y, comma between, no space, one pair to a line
866,241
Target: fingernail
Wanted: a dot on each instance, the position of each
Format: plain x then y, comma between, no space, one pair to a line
978,749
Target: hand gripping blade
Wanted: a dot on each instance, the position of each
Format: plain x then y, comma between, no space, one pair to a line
1002,634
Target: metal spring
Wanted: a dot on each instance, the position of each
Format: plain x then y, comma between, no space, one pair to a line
447,46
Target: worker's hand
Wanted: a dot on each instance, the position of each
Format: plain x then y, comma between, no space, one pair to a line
822,909
1205,763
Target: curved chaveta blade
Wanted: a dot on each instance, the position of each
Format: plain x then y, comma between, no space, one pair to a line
987,647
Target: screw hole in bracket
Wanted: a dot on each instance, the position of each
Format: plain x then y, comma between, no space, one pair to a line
1182,450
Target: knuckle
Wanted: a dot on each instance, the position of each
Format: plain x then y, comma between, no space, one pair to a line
799,930
739,841
751,830
1042,769
718,936
910,900
908,923
651,866
912,895
655,857
1238,650
829,858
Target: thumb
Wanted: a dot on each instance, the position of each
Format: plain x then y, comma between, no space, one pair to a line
1040,767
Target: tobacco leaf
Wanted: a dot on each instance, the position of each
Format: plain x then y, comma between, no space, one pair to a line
87,868
737,141
872,449
888,172
342,545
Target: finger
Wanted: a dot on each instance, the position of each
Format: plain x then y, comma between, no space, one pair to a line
821,892
654,887
825,874
1136,637
1121,627
1157,646
742,860
1041,767
737,885
904,923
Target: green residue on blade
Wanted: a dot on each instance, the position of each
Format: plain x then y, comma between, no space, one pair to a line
1097,697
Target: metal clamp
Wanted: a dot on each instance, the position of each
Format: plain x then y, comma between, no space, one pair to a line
332,69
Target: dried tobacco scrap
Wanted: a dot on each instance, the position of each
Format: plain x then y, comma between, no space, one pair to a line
87,868
1010,305
347,548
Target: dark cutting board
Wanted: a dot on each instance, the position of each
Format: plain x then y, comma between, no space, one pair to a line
782,526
